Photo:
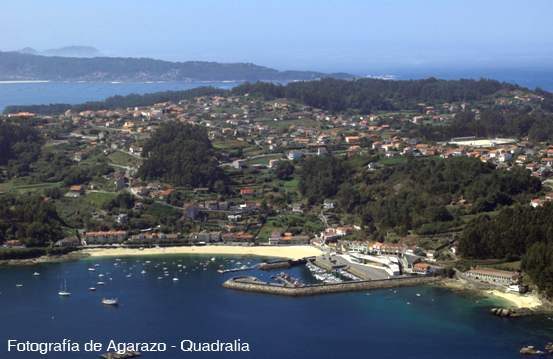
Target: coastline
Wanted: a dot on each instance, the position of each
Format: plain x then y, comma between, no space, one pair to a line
289,252
515,300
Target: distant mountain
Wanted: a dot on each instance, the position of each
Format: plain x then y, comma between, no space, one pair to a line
73,51
28,50
19,66
67,51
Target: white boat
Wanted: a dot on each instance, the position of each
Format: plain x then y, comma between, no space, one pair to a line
101,283
159,277
143,272
96,265
92,289
36,274
110,301
418,295
63,291
100,275
176,279
19,285
91,269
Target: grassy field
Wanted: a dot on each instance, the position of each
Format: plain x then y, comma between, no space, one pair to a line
226,144
395,161
122,159
99,198
292,183
14,186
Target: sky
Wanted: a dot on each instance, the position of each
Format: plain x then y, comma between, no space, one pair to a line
360,37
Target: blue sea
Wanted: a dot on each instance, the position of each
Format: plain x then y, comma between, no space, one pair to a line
387,324
74,93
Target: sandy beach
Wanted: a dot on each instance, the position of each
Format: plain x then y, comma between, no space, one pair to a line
291,252
516,300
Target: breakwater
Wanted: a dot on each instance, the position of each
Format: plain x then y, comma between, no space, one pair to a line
253,284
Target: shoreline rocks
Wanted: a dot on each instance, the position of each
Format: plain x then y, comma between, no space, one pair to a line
512,312
43,259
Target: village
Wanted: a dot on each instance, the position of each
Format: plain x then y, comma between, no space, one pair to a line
254,137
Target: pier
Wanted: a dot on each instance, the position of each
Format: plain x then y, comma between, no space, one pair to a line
253,284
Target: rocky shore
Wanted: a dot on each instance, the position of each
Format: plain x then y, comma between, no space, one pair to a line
44,259
511,312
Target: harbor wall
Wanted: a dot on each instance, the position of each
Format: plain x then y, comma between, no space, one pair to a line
253,284
271,266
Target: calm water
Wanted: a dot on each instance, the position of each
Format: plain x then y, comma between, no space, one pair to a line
438,324
74,93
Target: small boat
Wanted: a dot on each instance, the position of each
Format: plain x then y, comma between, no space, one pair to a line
110,301
129,276
418,295
96,265
100,275
176,279
63,291
92,289
159,277
369,294
101,283
143,272
19,285
91,269
36,274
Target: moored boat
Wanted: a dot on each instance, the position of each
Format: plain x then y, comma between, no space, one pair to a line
110,301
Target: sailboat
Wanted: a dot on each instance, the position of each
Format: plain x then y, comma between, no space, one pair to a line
63,291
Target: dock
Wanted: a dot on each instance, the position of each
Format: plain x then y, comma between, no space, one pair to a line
116,355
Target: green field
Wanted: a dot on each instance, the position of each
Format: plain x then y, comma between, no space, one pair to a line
122,159
395,161
292,183
99,198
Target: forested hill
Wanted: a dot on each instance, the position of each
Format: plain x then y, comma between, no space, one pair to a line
18,66
369,95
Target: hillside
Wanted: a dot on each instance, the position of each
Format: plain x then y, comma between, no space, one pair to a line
25,66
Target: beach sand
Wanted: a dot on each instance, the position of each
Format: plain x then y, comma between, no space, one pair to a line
516,300
291,252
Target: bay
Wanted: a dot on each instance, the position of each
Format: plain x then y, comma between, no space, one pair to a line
44,93
438,324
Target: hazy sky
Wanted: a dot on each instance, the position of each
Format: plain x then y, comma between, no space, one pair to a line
323,35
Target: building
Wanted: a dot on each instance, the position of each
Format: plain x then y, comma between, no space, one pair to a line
330,203
295,154
493,275
111,236
75,191
420,268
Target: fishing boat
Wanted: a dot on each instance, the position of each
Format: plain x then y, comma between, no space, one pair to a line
63,291
110,301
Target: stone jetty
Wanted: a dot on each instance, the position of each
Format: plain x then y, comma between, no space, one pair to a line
271,266
253,284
